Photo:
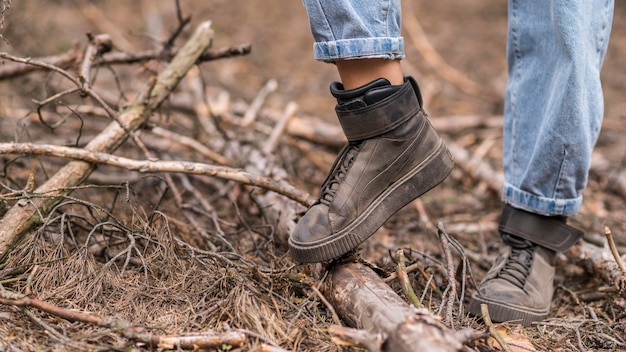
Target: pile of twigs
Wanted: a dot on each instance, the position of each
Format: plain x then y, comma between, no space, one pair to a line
160,221
152,258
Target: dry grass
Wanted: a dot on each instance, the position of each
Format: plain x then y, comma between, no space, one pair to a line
186,254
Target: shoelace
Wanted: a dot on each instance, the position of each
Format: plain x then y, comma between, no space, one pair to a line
517,266
338,172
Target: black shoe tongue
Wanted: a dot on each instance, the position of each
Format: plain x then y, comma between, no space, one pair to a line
362,96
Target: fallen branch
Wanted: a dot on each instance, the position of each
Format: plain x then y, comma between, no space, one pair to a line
601,262
191,143
258,102
19,220
71,57
98,45
476,167
128,330
168,166
364,301
260,160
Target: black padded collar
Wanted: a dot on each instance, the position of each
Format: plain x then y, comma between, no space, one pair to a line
549,232
381,117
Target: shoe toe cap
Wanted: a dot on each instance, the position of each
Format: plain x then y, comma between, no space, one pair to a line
313,227
503,292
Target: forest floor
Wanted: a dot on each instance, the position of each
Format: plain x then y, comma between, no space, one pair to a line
175,254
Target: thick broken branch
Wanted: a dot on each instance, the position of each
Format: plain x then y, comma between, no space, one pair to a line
600,261
19,220
364,301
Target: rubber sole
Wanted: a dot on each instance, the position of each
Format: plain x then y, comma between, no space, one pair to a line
411,186
500,312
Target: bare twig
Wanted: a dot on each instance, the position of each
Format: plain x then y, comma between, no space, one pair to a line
208,208
423,215
127,329
327,304
182,23
115,58
204,111
98,45
475,167
187,167
258,102
413,267
404,280
42,65
280,127
492,329
54,333
85,88
191,143
451,289
618,259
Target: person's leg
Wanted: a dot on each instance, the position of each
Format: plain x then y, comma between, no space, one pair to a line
554,102
393,154
361,37
553,114
356,73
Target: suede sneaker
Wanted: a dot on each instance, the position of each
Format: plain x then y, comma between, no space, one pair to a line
520,285
393,156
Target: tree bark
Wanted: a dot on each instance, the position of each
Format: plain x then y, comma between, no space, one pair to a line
364,301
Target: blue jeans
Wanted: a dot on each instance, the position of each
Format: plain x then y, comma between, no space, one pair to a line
355,29
553,103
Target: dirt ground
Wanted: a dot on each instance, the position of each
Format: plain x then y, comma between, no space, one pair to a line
173,264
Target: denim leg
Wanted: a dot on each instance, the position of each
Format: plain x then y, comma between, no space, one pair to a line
554,101
355,29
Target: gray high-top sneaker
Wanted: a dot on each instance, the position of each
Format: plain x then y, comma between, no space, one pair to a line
393,156
520,285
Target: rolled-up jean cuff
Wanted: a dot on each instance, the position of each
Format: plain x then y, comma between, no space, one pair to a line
360,48
540,205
